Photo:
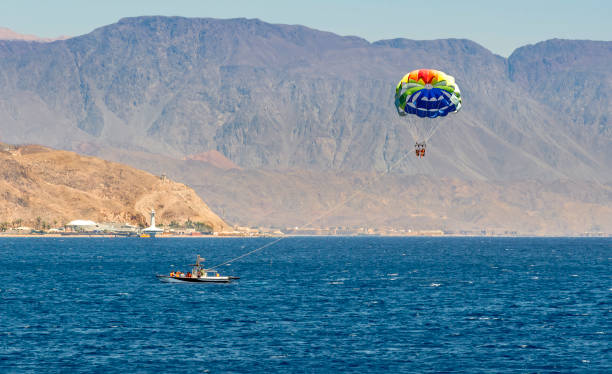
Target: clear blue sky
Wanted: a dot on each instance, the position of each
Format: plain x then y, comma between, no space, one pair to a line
500,26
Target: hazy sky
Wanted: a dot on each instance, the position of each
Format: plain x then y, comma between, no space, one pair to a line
500,26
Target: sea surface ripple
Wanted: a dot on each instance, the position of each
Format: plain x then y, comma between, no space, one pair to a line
308,305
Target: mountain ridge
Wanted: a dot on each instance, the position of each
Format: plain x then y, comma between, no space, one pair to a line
280,98
106,99
8,34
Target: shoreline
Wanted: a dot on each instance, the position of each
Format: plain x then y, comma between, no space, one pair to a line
298,236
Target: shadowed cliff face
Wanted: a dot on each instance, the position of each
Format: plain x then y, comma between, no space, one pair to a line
280,97
572,78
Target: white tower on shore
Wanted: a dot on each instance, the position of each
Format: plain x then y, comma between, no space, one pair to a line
152,230
152,217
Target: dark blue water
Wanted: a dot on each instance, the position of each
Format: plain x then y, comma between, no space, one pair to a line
308,305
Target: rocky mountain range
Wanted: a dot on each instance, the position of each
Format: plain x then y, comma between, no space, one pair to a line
294,109
39,183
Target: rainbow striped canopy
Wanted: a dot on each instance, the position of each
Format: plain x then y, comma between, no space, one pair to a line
427,93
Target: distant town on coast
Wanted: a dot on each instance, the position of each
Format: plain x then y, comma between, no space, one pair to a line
88,228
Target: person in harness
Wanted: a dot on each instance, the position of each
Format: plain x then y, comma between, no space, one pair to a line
419,149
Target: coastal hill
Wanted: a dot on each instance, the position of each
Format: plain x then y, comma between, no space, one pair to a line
52,186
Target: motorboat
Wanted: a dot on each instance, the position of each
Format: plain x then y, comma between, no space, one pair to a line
198,274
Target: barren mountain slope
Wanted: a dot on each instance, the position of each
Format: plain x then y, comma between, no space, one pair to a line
60,186
366,199
573,78
279,96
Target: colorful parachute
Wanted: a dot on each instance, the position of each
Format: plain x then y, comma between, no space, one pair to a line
427,93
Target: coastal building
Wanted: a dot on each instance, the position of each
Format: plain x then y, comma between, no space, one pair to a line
81,225
119,228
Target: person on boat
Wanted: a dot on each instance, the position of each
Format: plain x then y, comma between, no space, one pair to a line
422,152
188,275
172,274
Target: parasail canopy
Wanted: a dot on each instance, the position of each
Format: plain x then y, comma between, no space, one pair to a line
427,93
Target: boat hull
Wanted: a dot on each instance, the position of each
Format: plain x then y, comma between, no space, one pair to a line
169,279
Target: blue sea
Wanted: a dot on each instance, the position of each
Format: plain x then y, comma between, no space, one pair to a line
308,305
